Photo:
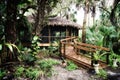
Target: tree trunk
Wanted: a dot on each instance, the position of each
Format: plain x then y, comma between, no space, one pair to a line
84,21
10,28
40,16
113,18
93,11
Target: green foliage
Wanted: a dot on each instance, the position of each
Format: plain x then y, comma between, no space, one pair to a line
0,47
71,66
102,35
46,66
53,3
94,37
113,56
29,54
54,50
98,54
33,73
2,73
109,33
102,74
10,46
35,45
19,71
29,59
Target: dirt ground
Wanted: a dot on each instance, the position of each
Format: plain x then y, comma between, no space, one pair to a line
63,74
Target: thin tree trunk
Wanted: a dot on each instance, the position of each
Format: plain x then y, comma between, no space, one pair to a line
83,28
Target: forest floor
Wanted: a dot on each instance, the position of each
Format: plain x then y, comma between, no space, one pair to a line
63,74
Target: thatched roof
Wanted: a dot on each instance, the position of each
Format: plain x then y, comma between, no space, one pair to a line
57,21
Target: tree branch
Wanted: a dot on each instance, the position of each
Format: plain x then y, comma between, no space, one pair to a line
104,9
28,7
112,14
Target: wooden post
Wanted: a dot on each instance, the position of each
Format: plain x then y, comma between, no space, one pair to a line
67,32
60,49
107,58
64,51
49,31
92,59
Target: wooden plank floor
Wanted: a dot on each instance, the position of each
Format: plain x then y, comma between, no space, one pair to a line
80,59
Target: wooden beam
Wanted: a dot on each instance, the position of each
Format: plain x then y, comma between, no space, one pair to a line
93,46
47,44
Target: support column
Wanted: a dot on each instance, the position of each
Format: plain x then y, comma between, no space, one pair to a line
49,31
67,32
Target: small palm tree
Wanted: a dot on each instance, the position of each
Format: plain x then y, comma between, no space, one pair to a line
97,55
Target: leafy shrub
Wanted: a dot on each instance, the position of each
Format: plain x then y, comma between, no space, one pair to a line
28,55
2,73
19,71
102,74
112,57
33,73
46,65
71,66
29,59
54,50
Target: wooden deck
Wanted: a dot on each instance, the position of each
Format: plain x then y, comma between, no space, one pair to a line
81,60
69,48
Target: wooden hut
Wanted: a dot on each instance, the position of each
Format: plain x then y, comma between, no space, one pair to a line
58,28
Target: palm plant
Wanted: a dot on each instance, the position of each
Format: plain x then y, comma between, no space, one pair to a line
114,58
108,33
3,50
94,37
97,56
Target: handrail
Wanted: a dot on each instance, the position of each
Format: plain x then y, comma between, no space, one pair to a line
81,46
67,39
65,42
91,46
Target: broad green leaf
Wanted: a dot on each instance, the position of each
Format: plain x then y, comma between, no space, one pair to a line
16,47
35,38
0,46
9,46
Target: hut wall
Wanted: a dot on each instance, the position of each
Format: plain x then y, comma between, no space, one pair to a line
53,33
45,35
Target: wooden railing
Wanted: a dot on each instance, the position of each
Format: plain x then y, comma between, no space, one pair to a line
91,48
64,43
78,46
